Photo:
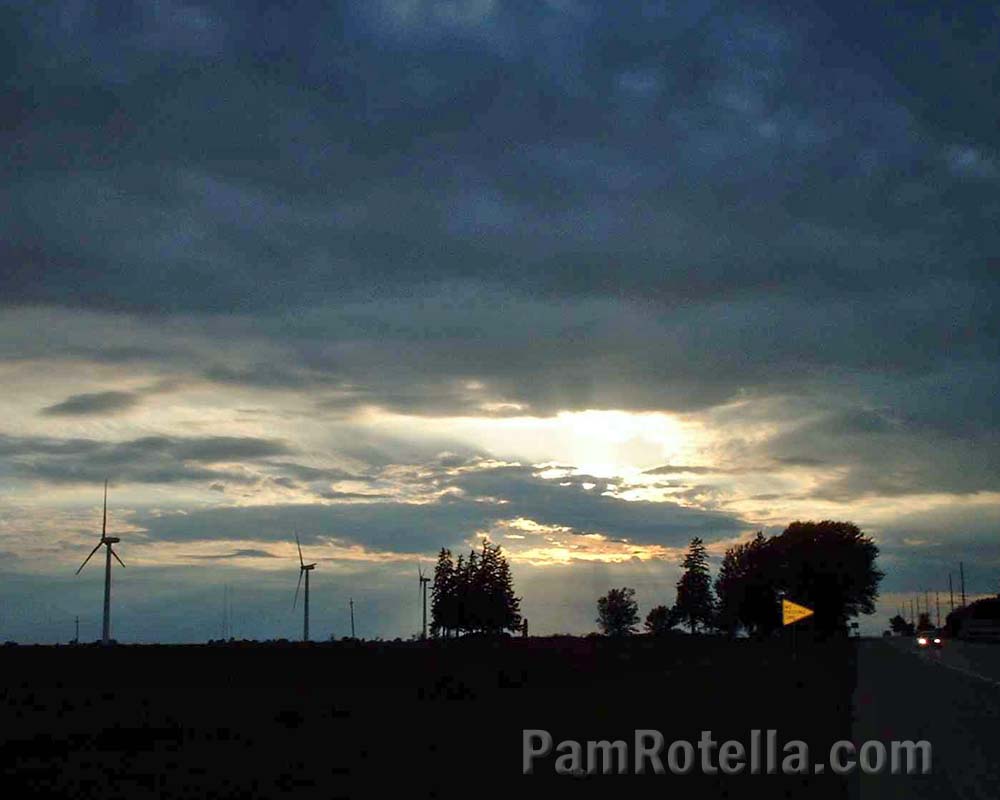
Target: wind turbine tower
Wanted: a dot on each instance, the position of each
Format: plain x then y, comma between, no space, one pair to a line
424,580
304,569
107,541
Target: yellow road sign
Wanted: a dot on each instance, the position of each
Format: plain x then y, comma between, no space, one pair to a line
793,612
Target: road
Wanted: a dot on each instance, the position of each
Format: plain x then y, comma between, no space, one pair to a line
950,697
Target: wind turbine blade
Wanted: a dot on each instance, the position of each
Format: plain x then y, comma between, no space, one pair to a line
104,523
302,562
297,585
116,557
88,557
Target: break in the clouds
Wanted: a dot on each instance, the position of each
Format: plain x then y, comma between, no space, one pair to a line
586,278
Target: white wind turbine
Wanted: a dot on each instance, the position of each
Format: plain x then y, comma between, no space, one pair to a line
107,541
304,568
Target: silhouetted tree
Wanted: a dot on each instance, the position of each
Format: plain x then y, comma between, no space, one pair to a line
900,626
953,622
617,612
746,588
474,594
443,599
493,604
924,622
659,620
959,620
695,605
828,566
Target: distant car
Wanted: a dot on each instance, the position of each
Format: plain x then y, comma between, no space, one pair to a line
928,639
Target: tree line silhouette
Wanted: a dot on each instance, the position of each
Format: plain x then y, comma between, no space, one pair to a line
828,566
474,594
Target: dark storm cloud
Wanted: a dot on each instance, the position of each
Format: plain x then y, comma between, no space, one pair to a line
453,518
313,474
687,469
93,403
248,552
589,511
394,527
150,459
919,550
881,453
636,149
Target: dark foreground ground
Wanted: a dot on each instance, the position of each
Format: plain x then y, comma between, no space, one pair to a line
408,719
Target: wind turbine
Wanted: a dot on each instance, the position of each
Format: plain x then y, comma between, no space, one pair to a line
107,541
423,592
304,568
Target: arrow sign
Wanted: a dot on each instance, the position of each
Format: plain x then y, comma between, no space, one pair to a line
793,612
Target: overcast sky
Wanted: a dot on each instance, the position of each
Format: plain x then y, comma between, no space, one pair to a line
587,278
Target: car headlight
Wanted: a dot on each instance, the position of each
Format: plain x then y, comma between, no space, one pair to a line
921,640
937,641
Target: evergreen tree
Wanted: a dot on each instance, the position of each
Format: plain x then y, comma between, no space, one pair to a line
443,596
474,594
695,604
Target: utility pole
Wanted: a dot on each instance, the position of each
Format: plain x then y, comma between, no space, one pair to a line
76,639
352,617
913,617
951,594
961,571
937,602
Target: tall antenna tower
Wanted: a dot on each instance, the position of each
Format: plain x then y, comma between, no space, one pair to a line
352,617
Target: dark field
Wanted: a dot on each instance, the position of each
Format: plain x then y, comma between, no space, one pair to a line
403,719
